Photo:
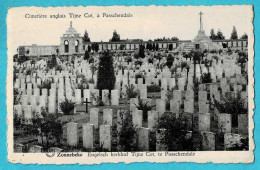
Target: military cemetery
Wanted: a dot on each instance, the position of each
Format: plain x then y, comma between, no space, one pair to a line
122,96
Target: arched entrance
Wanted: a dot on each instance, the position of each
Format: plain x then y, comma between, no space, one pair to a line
66,46
170,47
77,46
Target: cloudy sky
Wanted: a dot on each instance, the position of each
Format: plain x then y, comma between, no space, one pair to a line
146,23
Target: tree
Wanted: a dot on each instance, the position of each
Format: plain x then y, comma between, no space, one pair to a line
141,51
106,75
47,125
89,48
115,37
206,78
174,133
86,56
169,60
127,132
234,34
244,36
175,39
122,47
232,104
157,47
212,34
86,38
220,35
96,47
57,51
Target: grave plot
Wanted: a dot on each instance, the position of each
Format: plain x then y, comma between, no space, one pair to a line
119,101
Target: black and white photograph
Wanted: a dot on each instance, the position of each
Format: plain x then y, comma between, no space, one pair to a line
130,82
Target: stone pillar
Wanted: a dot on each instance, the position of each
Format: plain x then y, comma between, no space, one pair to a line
204,122
224,122
18,110
107,116
94,117
189,106
208,141
175,106
28,114
105,137
133,103
86,94
37,149
163,83
143,91
114,98
42,101
160,106
137,117
177,95
45,92
105,99
231,140
88,136
203,96
152,119
164,94
78,98
52,104
243,124
143,139
203,107
172,83
181,83
72,134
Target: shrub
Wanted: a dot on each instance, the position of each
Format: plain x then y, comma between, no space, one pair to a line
183,65
47,125
153,88
139,75
170,60
138,62
97,99
91,60
17,120
232,105
130,91
127,133
22,59
58,68
145,107
91,81
17,96
106,75
213,51
45,85
158,56
150,60
67,106
175,134
206,78
86,55
128,59
215,57
242,145
169,96
229,51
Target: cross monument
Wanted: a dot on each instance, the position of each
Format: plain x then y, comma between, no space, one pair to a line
201,25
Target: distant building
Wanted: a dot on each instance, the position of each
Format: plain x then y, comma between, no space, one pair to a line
71,43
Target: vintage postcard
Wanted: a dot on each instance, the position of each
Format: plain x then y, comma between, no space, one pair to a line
96,84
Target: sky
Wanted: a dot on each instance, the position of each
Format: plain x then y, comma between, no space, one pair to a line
147,23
